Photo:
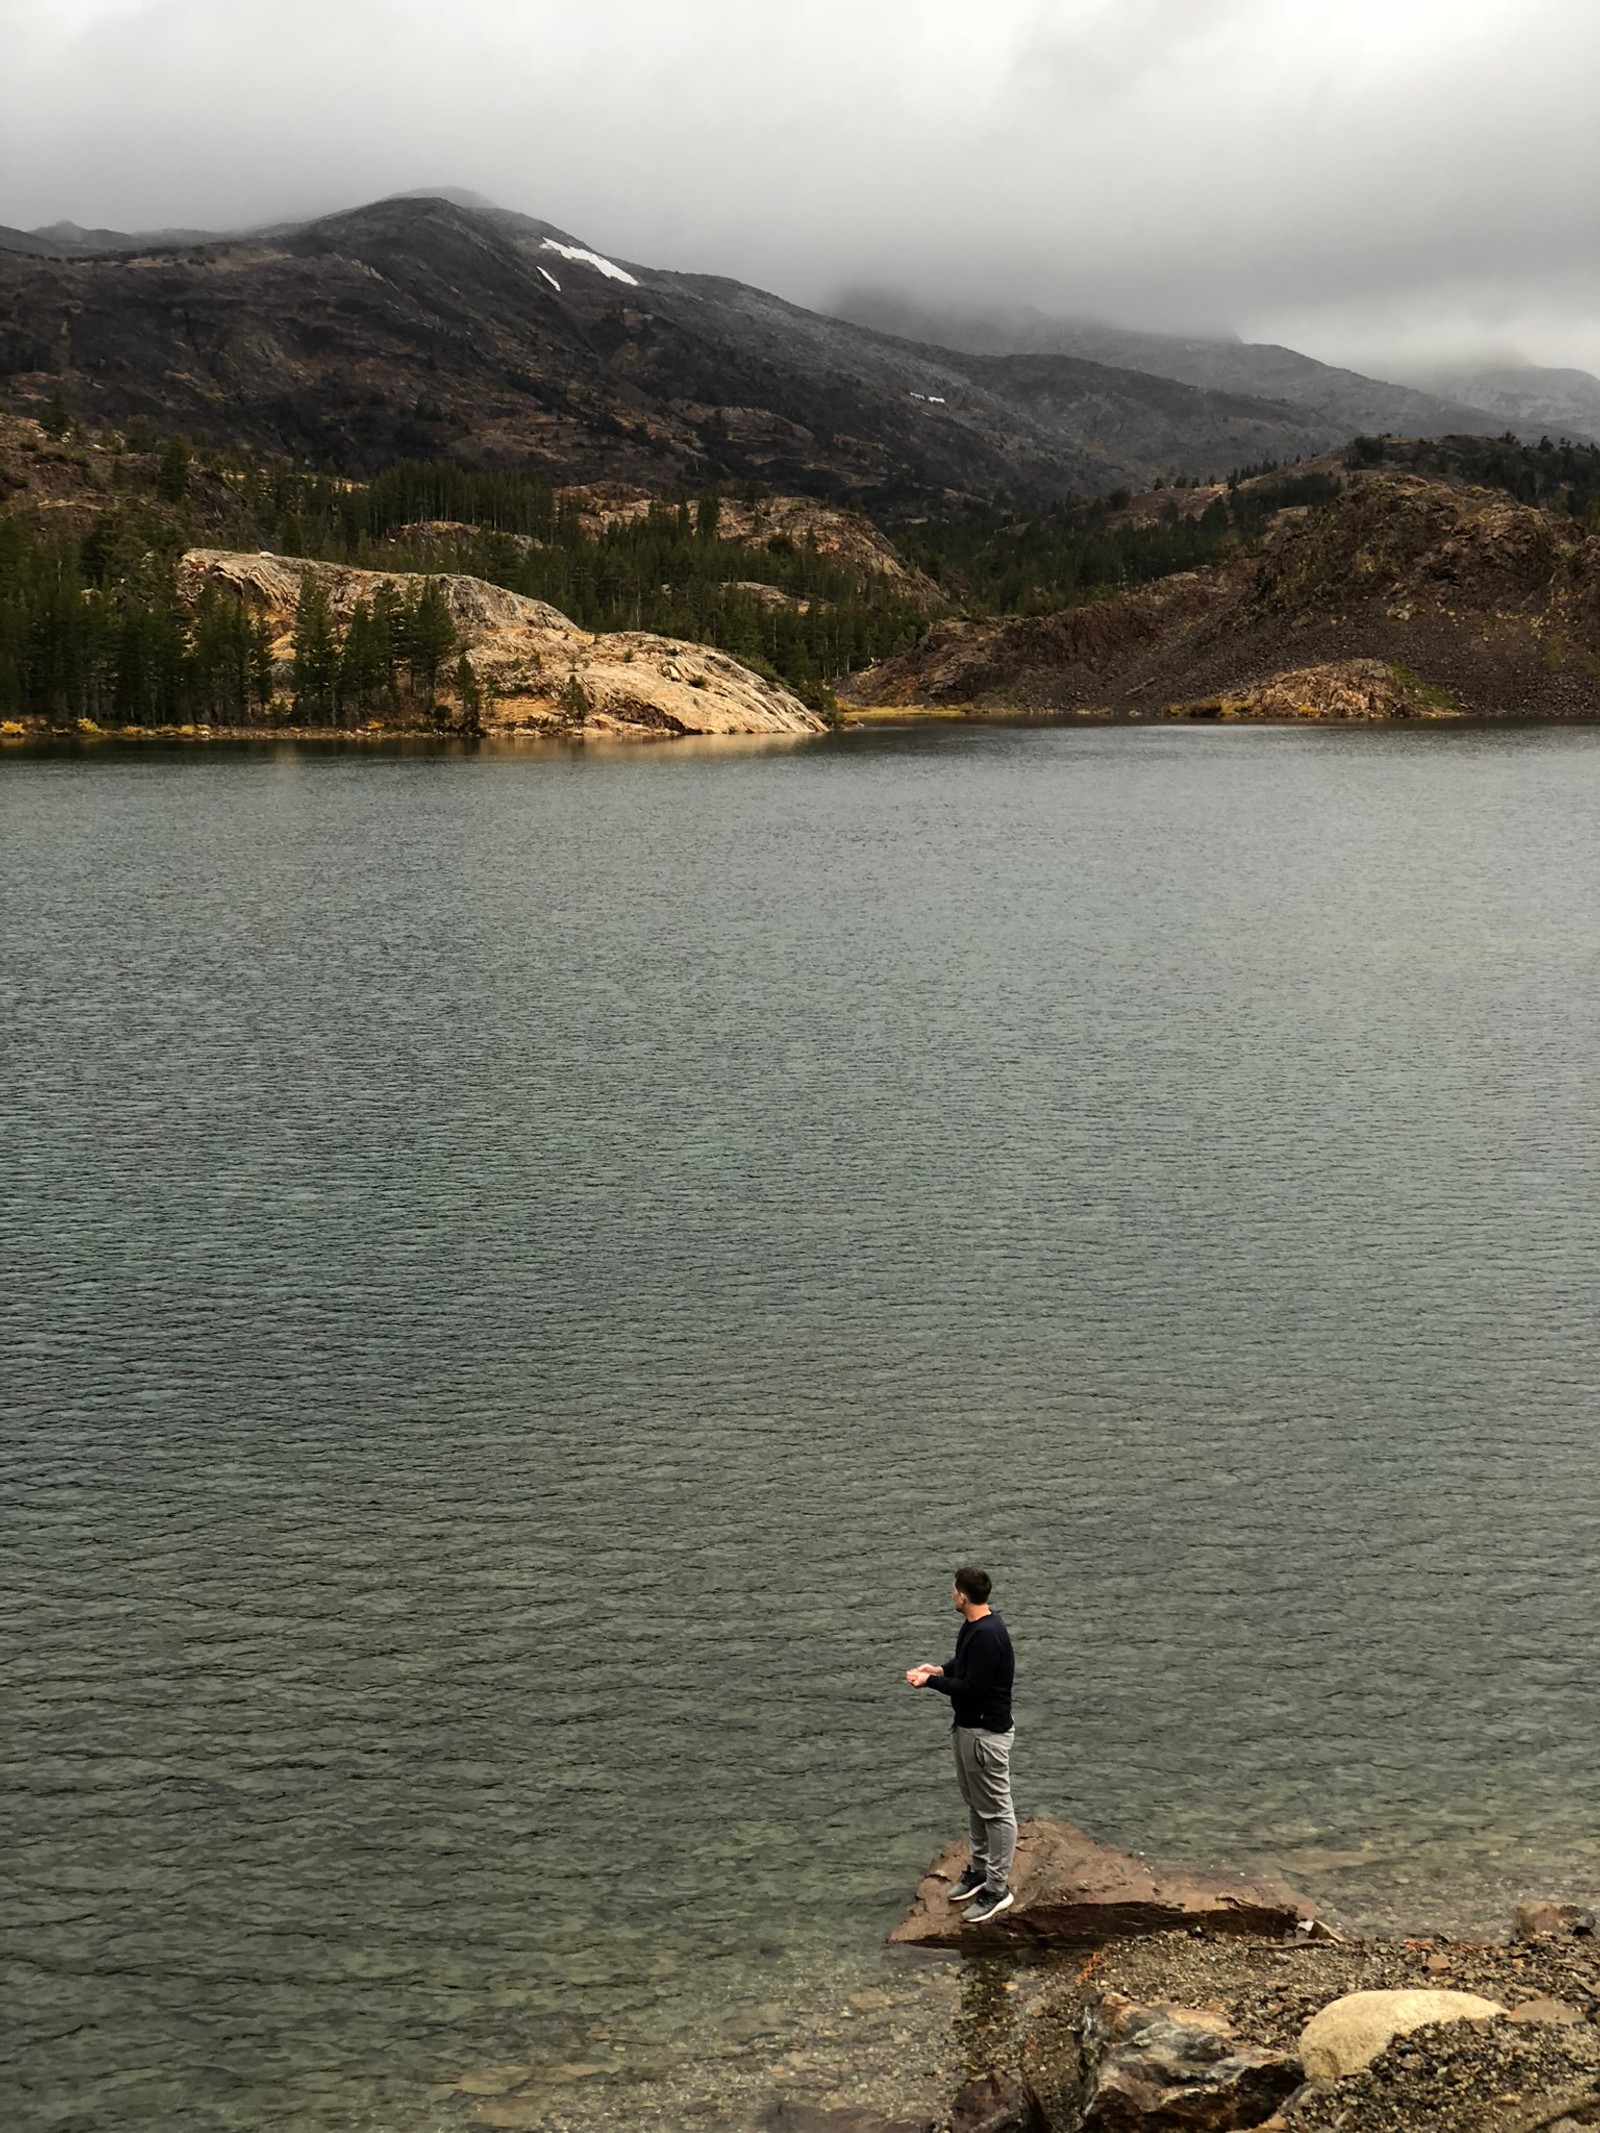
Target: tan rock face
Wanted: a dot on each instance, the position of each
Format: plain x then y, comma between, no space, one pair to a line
845,537
1349,2033
271,585
539,672
771,597
1075,1892
1339,689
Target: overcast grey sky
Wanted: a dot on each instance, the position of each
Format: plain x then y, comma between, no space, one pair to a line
1361,178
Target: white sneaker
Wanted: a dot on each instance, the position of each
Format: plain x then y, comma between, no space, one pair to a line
989,1905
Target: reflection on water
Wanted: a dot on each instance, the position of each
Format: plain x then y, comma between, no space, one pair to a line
525,1272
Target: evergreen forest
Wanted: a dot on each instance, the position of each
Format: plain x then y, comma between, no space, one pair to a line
92,627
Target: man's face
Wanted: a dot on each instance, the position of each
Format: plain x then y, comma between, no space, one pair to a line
958,1599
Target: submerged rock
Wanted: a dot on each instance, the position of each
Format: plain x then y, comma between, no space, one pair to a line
786,2116
1349,2033
494,2080
997,2103
514,2114
1075,1892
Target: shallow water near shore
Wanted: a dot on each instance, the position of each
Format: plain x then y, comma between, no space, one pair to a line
524,1272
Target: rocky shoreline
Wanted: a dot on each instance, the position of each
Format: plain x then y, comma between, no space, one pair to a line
376,734
1505,2037
1175,2000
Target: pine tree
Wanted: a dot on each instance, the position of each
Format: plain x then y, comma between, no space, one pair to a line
432,637
388,640
259,656
574,699
172,471
219,657
363,667
55,421
316,656
150,657
470,691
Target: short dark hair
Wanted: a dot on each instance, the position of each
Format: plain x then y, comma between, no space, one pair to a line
975,1583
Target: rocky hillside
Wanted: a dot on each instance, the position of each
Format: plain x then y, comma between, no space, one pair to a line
534,670
772,525
91,524
86,473
420,328
1403,597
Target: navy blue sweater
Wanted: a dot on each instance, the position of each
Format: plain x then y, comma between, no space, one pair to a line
978,1679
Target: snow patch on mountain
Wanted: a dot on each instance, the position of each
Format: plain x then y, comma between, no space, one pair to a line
586,258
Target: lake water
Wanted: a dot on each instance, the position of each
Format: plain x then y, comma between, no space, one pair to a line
523,1272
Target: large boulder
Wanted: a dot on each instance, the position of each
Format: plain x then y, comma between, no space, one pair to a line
1348,2034
1153,2067
1077,1893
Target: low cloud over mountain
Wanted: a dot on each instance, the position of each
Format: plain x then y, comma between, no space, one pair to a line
1369,183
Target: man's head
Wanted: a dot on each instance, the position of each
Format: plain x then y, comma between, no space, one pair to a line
972,1589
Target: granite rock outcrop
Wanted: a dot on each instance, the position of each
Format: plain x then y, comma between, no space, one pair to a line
537,672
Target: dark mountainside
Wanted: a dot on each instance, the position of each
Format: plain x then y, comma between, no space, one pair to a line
1407,595
420,328
1530,403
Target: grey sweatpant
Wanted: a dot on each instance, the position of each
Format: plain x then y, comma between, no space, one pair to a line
983,1771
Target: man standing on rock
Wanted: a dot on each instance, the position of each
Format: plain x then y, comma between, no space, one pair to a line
978,1683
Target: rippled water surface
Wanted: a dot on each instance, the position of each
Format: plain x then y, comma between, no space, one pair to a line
522,1274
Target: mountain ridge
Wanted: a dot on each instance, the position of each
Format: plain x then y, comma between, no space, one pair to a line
414,327
1529,399
1363,405
1527,396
